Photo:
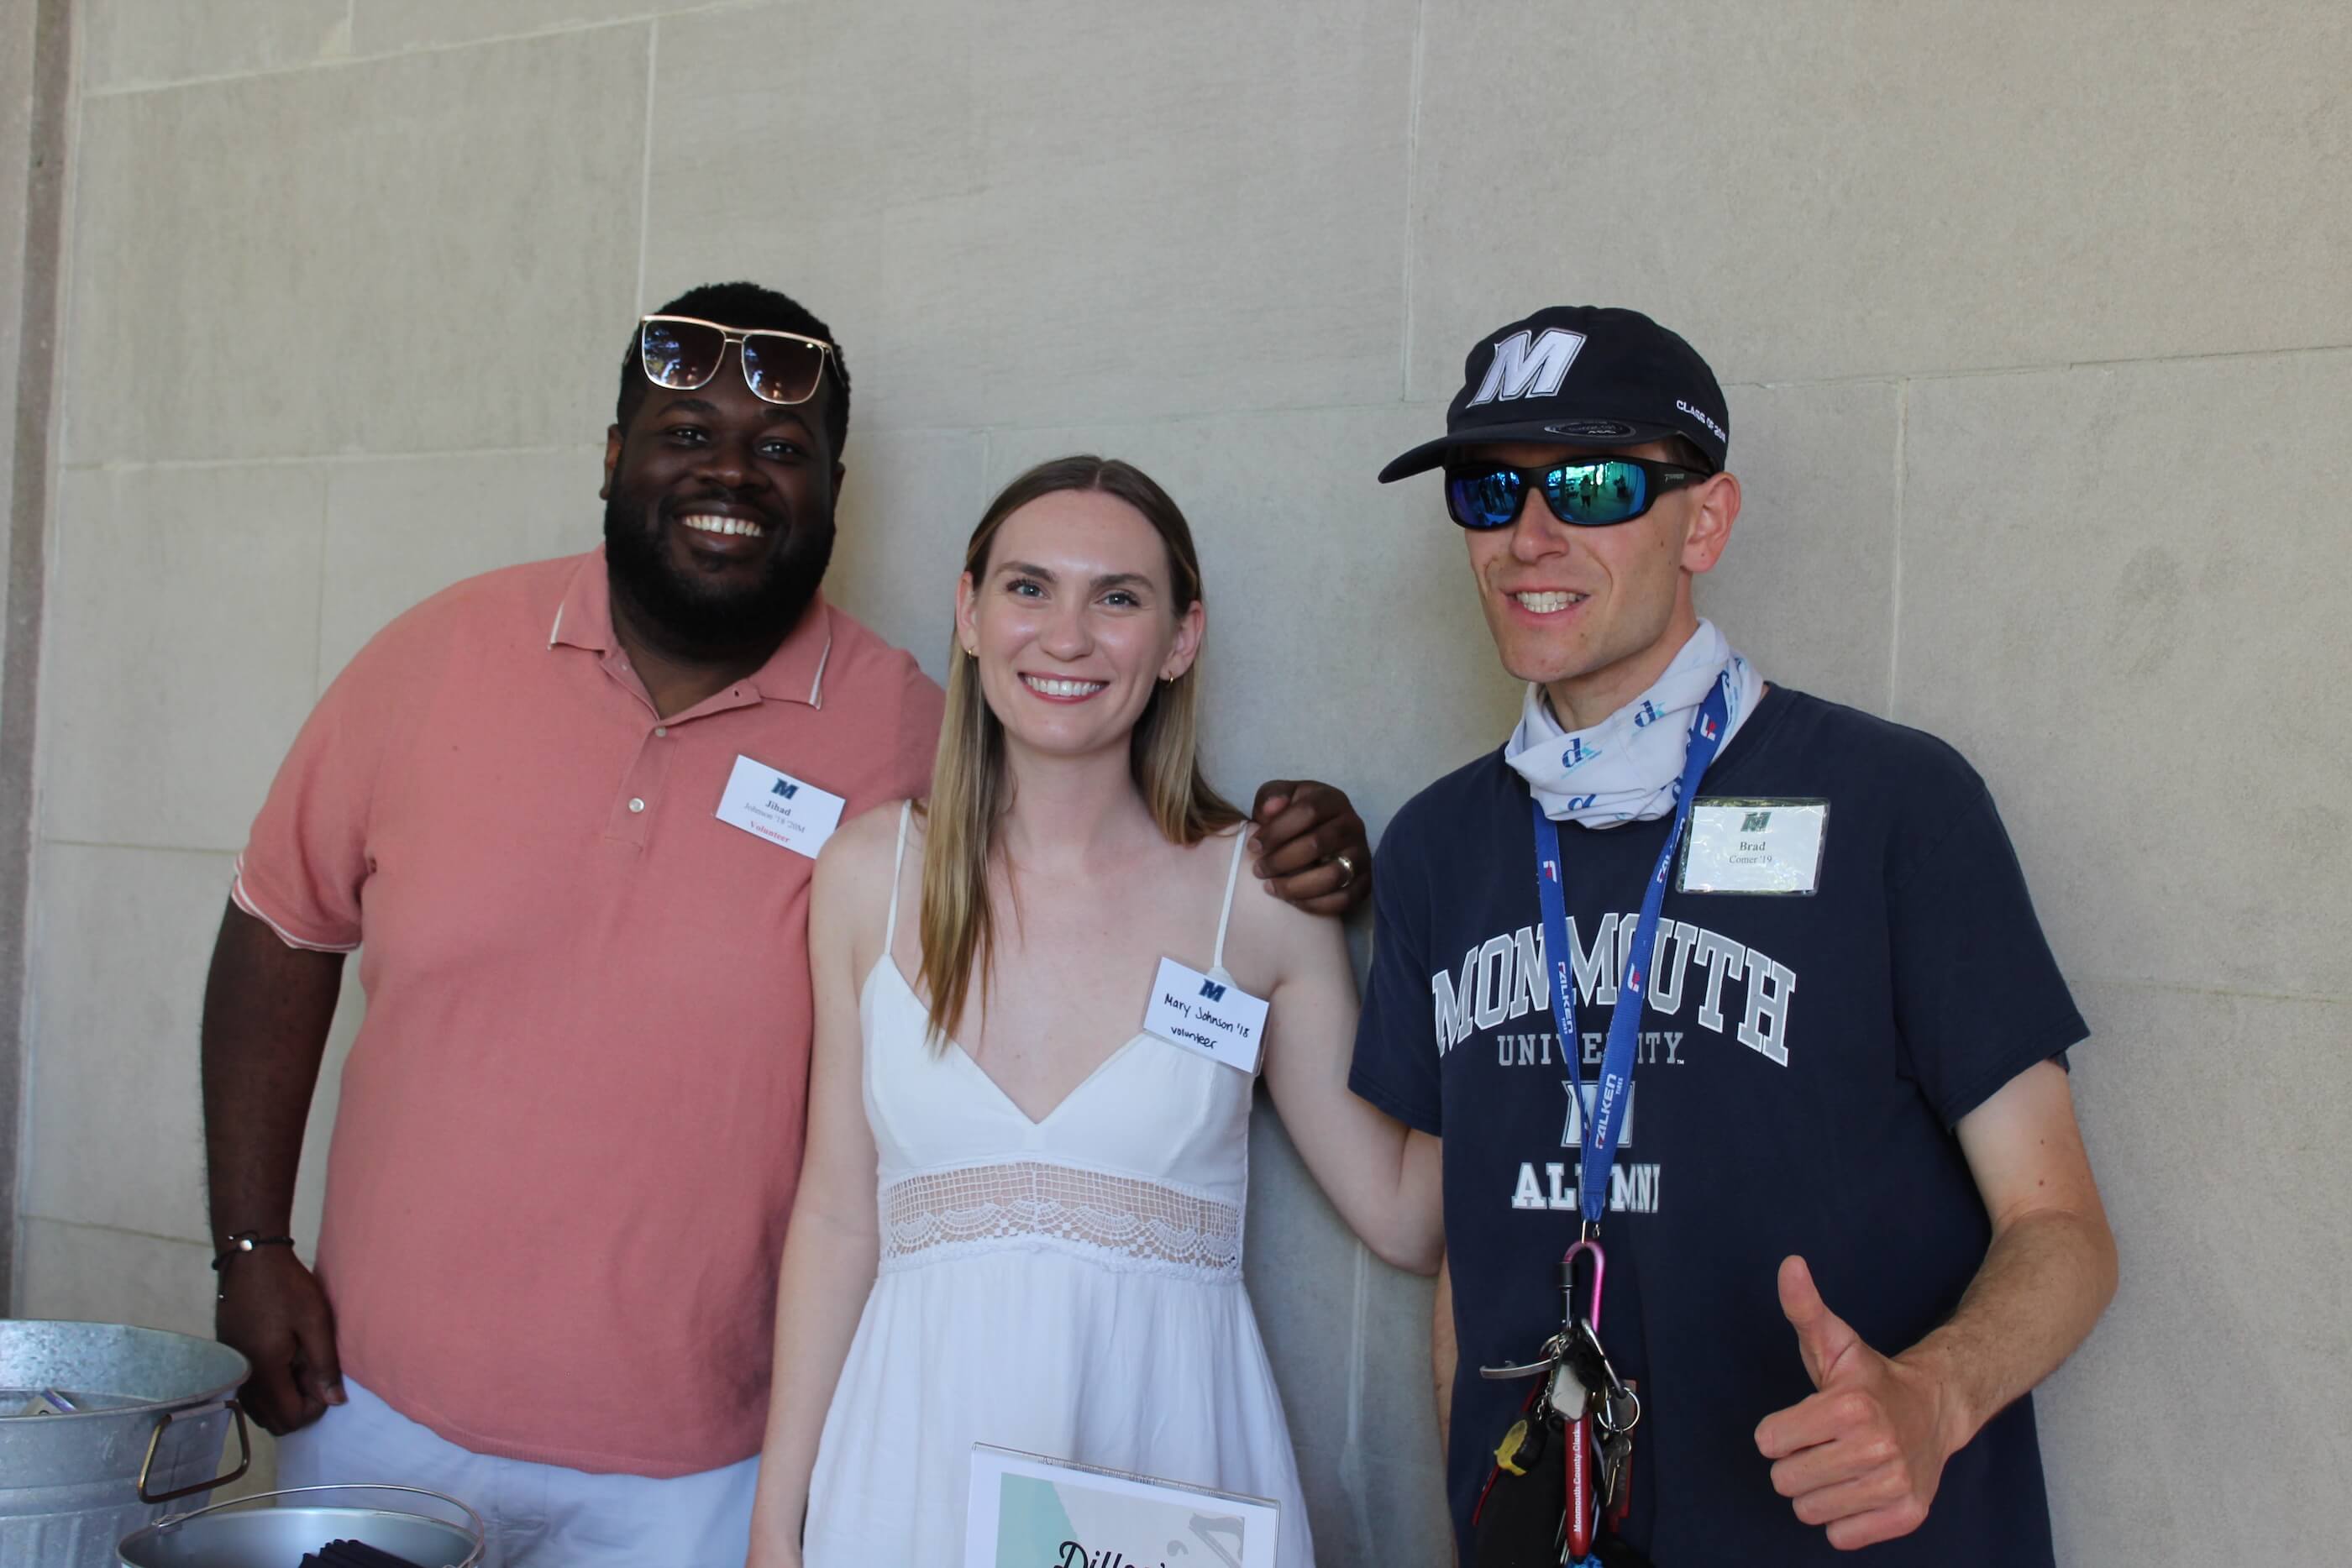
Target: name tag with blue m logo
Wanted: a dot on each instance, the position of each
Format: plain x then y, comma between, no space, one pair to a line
1206,1014
771,804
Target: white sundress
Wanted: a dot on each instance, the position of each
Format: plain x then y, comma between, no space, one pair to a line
1070,1286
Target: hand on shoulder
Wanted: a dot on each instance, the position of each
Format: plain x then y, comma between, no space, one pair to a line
1311,845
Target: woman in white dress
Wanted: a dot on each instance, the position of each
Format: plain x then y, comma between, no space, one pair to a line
1019,1219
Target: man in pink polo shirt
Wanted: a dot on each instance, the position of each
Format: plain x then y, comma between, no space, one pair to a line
571,809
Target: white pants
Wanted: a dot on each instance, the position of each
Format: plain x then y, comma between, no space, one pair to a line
540,1516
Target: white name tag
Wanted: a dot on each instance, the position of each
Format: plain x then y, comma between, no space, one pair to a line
1754,846
1213,1017
779,808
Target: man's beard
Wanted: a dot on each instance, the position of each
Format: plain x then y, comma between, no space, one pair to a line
694,619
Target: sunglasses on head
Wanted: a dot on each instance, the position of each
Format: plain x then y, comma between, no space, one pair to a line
682,353
1591,493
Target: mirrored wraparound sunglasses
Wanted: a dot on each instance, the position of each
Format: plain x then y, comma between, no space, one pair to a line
1591,494
682,352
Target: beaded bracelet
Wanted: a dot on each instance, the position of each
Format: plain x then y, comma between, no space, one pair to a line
245,1241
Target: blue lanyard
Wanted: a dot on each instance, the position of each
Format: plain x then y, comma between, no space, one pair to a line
1604,1119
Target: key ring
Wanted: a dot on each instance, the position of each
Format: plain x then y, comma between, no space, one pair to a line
1612,1414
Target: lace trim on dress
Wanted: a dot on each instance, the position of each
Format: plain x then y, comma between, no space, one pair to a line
1119,1221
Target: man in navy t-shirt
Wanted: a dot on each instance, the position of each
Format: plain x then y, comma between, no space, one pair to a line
1849,1222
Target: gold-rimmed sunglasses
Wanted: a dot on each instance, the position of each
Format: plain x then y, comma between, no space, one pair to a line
683,353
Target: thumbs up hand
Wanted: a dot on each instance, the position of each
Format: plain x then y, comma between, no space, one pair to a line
1862,1455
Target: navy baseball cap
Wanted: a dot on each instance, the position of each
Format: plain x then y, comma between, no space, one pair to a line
1580,375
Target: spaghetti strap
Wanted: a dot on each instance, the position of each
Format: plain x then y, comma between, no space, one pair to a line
1226,915
891,926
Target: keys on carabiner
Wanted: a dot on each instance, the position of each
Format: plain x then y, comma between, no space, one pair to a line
1604,1423
1597,1411
1615,1407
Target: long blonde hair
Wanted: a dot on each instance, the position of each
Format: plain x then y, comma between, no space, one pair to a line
970,791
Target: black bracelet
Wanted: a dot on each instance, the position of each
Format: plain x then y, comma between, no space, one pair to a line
245,1241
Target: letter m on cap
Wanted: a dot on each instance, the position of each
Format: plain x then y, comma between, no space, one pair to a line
1529,366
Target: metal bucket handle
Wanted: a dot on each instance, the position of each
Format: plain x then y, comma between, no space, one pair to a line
155,1443
482,1527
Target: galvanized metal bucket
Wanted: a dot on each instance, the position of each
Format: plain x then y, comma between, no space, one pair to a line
423,1527
140,1418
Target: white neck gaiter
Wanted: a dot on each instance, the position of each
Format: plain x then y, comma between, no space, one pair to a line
1627,768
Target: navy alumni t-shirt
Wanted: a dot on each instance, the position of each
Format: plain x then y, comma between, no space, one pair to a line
1800,1069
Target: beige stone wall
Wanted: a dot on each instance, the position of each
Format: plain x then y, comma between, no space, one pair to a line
18,19
2035,322
17,31
36,97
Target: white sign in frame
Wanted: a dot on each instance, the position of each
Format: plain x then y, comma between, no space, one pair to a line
1030,1511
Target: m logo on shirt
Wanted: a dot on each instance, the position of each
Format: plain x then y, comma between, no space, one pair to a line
1528,366
1579,1106
785,787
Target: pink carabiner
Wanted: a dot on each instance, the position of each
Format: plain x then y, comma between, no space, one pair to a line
1599,1271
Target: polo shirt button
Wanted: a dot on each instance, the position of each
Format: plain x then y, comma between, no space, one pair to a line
636,805
661,730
